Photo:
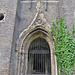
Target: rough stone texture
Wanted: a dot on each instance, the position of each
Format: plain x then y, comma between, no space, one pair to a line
65,9
6,33
26,15
69,8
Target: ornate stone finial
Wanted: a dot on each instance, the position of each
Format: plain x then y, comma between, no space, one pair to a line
39,6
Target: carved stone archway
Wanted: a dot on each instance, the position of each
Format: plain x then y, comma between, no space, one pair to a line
38,28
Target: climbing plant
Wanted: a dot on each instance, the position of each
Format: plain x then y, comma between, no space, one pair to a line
64,47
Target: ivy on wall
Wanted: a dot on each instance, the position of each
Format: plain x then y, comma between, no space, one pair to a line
64,47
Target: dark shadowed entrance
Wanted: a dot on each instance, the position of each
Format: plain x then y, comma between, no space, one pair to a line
39,59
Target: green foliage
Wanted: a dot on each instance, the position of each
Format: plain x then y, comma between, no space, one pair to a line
64,47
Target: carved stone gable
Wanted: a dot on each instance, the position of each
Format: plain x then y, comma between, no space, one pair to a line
39,19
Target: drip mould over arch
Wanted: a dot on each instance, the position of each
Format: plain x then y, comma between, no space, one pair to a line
38,28
39,23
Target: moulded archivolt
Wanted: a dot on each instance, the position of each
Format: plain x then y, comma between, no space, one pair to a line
38,28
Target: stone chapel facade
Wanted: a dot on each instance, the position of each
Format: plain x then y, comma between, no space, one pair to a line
26,47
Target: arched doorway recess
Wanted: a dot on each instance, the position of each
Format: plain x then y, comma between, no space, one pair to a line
39,58
39,28
22,49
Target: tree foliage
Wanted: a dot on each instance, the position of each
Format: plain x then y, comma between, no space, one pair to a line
64,47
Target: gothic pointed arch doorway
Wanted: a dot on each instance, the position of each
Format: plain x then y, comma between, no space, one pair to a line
34,53
39,58
34,49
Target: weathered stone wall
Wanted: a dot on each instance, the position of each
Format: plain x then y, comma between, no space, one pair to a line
8,8
24,16
69,9
61,9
